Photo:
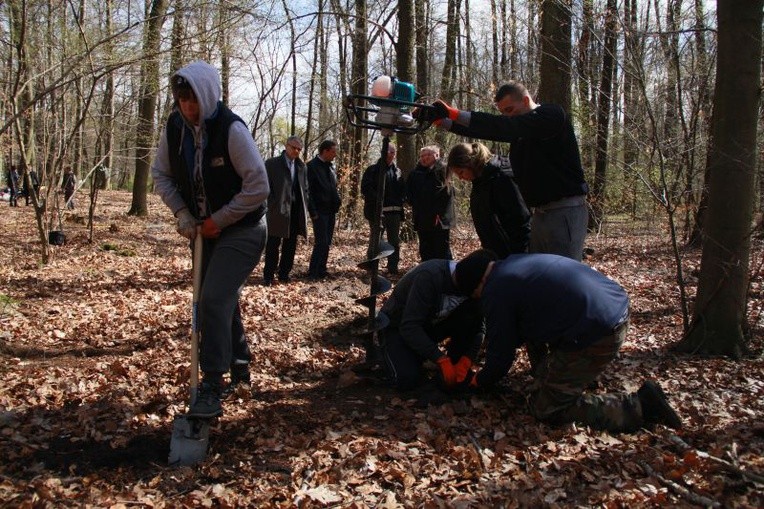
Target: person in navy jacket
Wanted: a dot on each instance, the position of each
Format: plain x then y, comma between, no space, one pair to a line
572,320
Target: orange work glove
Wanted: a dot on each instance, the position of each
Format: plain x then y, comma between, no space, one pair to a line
462,368
447,371
209,229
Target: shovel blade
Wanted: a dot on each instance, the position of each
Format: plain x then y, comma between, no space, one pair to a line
190,438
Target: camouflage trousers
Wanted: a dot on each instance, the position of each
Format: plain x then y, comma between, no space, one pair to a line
560,378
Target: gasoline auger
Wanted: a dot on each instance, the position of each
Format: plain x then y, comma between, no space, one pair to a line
391,108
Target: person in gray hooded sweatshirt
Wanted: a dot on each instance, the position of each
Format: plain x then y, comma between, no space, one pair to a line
209,173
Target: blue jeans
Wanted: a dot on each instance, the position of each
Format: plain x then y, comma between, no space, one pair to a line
228,262
323,230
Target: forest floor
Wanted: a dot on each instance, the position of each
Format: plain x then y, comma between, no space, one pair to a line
95,361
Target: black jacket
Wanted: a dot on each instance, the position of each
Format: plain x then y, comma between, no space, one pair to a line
544,151
395,189
322,187
432,201
502,221
419,300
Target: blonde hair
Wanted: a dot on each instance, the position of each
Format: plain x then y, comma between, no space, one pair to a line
469,155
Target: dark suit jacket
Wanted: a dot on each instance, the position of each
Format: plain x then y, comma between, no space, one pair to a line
280,199
322,181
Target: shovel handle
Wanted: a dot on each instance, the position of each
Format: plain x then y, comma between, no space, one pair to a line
197,281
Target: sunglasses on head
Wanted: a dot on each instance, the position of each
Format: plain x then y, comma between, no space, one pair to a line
182,88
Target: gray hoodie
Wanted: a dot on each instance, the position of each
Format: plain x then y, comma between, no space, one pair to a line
246,159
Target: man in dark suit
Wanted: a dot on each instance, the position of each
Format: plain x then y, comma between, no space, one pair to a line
287,209
324,204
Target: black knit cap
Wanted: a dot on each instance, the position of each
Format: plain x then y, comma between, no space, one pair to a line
470,270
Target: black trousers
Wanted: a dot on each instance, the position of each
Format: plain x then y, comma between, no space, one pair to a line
288,247
435,244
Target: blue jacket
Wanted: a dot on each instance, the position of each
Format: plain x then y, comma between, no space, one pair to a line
545,299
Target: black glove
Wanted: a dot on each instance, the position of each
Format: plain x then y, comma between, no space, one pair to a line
436,111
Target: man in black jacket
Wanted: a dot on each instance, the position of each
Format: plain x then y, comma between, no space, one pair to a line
545,159
324,204
287,209
427,306
431,196
392,203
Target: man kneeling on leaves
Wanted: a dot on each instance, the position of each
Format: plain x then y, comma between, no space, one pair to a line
573,321
428,308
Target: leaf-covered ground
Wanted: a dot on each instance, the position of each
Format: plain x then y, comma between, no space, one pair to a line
95,365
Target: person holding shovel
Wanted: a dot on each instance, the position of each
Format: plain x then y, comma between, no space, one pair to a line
210,174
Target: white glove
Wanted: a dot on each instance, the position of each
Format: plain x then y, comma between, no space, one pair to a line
186,224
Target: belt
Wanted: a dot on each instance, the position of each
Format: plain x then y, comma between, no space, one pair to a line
569,201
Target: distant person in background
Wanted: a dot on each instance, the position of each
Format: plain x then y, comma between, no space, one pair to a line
287,209
210,174
545,159
324,204
501,219
68,186
392,202
431,196
13,186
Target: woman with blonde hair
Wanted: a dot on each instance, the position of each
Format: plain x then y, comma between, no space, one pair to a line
501,219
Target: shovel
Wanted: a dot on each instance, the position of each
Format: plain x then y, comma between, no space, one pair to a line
190,436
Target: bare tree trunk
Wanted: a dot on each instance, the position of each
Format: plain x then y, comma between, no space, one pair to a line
494,43
359,86
422,34
554,86
293,58
719,318
603,115
318,43
21,93
144,136
225,52
105,143
449,62
178,35
585,95
404,69
695,239
631,64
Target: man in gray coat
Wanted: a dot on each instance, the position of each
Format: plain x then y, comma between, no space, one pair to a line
287,209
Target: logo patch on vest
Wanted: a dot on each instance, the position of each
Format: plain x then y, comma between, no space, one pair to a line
217,161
